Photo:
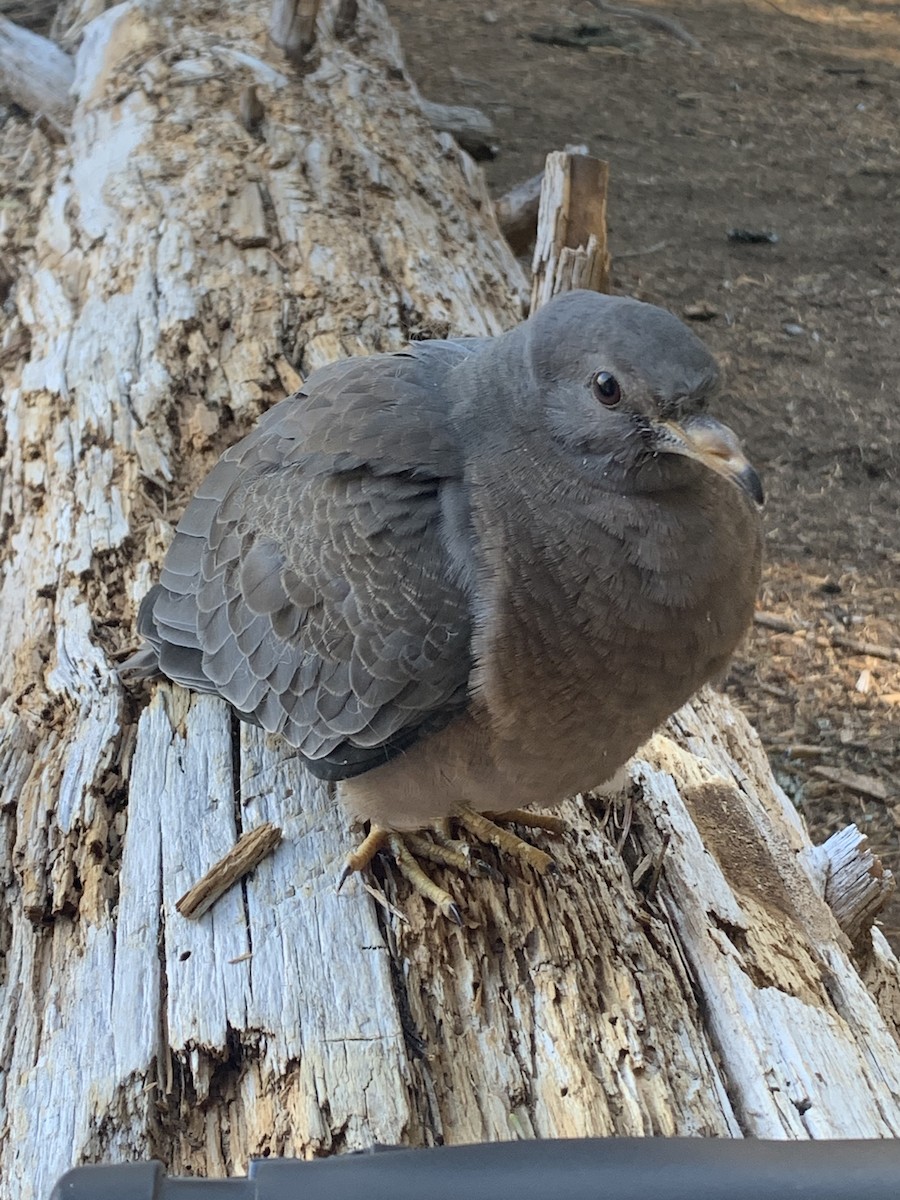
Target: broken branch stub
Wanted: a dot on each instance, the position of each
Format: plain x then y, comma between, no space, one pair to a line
571,248
470,127
292,27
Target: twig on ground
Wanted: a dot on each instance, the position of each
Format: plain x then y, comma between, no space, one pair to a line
638,253
866,785
657,20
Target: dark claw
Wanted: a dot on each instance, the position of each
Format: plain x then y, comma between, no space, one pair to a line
487,869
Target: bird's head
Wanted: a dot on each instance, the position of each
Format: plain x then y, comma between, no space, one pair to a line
627,384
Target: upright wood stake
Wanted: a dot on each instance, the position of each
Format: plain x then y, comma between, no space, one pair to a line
571,250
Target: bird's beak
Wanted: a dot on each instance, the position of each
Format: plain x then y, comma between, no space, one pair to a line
712,443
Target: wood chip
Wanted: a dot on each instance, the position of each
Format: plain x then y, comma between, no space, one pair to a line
248,218
700,310
243,856
380,898
866,785
779,624
802,750
872,649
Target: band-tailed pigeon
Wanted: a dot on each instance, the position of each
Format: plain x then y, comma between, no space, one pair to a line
473,575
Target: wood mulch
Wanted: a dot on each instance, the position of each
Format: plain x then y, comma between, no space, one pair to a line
829,715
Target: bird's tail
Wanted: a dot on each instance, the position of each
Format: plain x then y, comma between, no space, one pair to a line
144,663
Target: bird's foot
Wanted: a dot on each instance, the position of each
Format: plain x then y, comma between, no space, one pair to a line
487,830
357,860
425,886
408,848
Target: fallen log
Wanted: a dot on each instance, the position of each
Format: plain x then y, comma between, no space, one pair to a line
682,975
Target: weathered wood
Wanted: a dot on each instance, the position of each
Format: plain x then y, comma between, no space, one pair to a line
292,26
345,14
856,886
570,249
150,328
36,15
35,73
789,1016
517,212
517,209
182,276
470,127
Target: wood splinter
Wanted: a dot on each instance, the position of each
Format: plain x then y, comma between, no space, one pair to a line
243,856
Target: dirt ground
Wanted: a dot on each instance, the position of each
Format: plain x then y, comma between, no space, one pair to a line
786,120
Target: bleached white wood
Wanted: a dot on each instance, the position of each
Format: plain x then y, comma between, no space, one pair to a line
290,1018
791,1021
292,26
473,129
854,883
160,289
35,72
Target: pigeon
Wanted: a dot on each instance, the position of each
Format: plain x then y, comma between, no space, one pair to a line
475,575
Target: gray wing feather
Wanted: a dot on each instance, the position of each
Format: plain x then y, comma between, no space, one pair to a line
310,581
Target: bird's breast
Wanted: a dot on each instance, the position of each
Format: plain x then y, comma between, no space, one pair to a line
596,630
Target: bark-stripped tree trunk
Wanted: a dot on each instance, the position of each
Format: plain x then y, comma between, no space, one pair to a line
170,271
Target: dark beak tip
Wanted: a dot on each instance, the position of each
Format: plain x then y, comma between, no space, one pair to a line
752,485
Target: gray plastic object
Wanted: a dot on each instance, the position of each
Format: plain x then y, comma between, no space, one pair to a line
589,1169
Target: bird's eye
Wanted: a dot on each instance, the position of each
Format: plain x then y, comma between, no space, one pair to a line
606,389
